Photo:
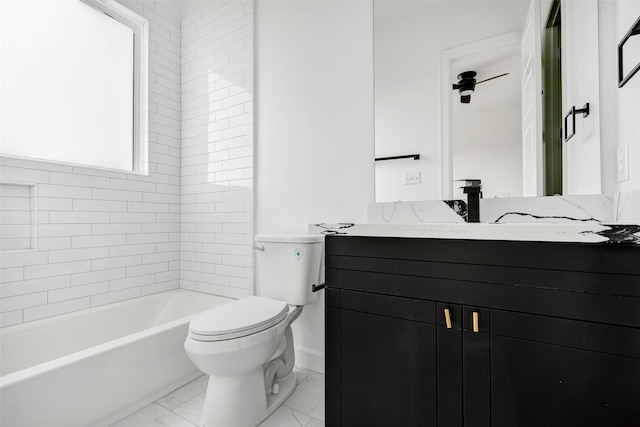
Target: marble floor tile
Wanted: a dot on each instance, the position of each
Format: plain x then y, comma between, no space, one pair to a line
286,417
301,374
309,396
153,416
183,407
315,423
185,393
192,409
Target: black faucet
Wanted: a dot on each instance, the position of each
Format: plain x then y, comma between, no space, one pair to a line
473,189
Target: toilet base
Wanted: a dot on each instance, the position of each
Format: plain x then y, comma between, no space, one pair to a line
240,401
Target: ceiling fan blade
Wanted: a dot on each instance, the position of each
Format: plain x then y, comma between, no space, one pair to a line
456,86
465,99
491,78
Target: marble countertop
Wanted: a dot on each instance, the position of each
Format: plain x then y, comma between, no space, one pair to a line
537,232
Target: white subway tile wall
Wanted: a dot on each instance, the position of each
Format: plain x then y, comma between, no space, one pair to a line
105,236
217,147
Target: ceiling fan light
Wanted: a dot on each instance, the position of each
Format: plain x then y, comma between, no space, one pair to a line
466,91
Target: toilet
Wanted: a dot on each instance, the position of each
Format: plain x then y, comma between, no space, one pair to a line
246,346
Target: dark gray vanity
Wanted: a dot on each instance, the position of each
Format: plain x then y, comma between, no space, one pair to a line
452,332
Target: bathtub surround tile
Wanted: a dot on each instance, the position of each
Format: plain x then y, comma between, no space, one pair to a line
115,261
144,269
160,287
54,243
51,270
34,285
10,318
78,292
217,147
11,274
18,213
22,174
77,254
23,259
121,251
131,282
94,225
21,302
115,296
98,276
56,308
64,230
236,293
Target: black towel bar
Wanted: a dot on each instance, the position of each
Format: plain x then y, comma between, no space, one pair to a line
407,156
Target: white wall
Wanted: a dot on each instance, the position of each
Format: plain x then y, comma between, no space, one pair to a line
608,56
619,107
314,132
217,147
628,99
105,236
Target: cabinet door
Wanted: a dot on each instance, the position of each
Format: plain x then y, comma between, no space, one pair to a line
388,364
449,353
476,366
555,372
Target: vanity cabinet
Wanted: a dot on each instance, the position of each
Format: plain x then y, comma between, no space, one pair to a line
428,332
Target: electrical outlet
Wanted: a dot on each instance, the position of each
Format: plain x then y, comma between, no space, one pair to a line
623,162
409,178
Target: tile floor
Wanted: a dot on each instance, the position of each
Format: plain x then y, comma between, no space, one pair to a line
182,407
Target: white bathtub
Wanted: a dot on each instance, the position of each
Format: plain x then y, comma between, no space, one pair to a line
93,367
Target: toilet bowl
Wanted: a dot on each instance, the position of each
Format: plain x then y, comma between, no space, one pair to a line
246,346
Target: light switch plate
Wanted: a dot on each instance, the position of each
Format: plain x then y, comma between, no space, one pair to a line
409,178
623,162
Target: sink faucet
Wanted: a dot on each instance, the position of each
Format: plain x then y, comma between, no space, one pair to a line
473,189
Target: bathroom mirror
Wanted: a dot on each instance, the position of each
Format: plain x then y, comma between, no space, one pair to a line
421,49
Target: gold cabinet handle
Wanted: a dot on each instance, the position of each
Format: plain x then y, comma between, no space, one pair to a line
476,326
447,318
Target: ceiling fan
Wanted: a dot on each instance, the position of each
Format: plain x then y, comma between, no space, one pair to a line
467,84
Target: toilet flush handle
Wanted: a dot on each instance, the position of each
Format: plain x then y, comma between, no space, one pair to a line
259,247
316,288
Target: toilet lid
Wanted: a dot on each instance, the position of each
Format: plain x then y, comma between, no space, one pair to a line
238,318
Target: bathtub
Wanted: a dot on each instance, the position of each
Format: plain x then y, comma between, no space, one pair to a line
96,366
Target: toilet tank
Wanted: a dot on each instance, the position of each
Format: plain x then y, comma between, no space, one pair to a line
288,266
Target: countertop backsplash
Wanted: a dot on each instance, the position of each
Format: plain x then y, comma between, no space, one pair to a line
587,219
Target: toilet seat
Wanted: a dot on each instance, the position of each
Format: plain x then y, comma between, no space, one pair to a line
237,319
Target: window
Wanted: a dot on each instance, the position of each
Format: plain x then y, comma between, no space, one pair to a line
73,76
